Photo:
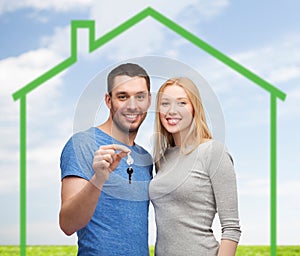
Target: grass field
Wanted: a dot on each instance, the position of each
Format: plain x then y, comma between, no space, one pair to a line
71,250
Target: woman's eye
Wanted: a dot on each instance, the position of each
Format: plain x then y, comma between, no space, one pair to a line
165,104
181,103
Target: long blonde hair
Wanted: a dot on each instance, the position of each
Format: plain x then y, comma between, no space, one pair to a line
198,131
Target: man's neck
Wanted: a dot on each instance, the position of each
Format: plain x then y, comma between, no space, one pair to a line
112,130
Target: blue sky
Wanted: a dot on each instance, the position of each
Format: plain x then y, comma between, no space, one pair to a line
263,36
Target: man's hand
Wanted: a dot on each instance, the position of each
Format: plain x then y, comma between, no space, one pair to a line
106,160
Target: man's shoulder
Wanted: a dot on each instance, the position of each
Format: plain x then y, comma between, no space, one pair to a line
141,149
91,135
142,156
88,133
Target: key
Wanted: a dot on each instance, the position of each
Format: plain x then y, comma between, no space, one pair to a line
130,172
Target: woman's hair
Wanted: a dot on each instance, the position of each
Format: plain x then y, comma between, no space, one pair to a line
198,130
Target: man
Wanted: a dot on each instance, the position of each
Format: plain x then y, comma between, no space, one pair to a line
109,213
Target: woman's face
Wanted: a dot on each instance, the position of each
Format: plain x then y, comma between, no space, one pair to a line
175,111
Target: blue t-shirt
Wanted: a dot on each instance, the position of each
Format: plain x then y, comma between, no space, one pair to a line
119,225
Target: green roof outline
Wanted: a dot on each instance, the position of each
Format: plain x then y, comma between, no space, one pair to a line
94,44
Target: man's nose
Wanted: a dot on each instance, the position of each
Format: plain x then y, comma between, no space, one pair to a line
132,103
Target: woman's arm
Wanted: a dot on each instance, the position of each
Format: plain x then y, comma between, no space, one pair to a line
223,180
227,248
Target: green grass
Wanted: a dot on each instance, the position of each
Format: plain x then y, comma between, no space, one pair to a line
265,250
71,250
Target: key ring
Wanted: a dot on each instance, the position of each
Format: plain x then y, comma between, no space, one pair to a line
129,161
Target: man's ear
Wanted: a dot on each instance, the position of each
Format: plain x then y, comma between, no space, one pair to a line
150,97
108,100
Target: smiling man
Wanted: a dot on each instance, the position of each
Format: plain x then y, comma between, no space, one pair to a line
109,214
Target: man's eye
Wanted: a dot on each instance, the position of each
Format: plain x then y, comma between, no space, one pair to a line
122,97
140,97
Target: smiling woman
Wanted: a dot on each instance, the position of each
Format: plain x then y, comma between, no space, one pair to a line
176,112
195,178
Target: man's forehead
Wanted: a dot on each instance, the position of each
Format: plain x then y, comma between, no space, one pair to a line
124,78
124,83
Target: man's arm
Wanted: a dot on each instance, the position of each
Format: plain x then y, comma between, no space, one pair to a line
79,197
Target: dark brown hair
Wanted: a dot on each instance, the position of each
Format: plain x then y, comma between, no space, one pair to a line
127,69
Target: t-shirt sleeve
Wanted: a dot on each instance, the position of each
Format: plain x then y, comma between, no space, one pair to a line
77,157
223,180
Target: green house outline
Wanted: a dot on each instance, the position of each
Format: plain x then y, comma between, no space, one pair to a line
94,44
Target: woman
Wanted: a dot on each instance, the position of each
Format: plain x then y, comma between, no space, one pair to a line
195,178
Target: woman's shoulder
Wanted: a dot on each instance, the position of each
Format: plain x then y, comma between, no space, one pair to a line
213,145
209,145
212,151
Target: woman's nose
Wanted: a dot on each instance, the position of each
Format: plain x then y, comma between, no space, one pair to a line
172,109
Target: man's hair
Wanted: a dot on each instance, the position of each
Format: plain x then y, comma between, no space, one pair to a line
127,69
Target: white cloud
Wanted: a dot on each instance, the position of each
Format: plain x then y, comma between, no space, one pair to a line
283,74
10,235
55,5
278,62
260,187
122,10
254,187
16,72
135,42
149,36
39,236
59,41
289,188
289,109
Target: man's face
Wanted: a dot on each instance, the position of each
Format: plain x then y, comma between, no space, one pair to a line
128,103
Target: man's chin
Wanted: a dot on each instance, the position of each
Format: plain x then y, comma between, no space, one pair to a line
134,129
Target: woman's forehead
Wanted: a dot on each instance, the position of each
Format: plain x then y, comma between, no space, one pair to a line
174,91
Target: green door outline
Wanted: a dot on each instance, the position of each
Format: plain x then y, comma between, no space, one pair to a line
94,44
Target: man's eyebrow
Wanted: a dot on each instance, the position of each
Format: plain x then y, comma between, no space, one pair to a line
124,92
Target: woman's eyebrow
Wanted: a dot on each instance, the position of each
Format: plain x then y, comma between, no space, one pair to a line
171,97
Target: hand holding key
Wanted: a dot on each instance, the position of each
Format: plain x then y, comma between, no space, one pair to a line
106,159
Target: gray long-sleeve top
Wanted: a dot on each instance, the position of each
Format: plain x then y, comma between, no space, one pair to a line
186,193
